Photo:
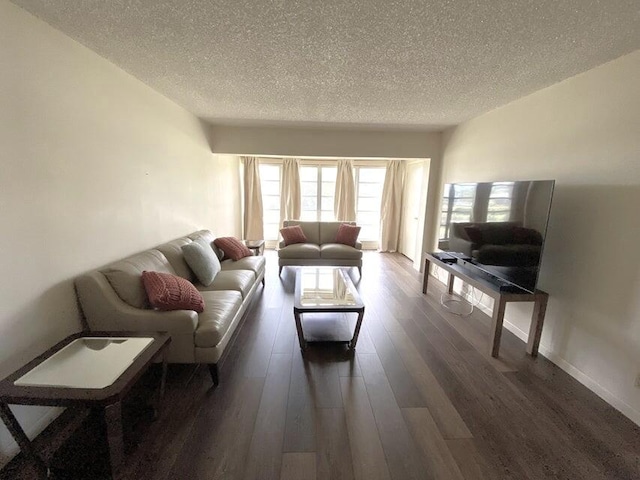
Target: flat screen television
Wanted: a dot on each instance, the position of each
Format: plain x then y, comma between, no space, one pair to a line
499,227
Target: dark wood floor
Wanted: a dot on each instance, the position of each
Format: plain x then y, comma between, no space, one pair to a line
420,399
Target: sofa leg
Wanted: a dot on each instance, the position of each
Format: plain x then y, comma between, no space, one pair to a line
263,281
280,271
360,271
213,370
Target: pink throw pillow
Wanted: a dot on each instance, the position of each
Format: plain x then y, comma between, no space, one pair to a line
232,248
347,234
170,292
293,234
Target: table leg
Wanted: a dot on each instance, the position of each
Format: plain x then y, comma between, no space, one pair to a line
113,420
303,342
537,322
354,340
22,440
496,325
425,278
450,283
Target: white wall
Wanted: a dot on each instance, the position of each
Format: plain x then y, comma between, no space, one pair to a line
585,133
94,166
325,142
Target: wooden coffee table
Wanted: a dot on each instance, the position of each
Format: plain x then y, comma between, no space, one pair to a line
326,290
88,369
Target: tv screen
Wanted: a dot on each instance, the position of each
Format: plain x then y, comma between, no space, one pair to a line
499,226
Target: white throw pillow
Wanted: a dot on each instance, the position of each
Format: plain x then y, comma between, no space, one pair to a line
203,261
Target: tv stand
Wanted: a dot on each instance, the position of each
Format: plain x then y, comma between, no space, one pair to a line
501,294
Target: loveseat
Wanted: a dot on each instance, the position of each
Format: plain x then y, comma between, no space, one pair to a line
506,244
320,249
113,298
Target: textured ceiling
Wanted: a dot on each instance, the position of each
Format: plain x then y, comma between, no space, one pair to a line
413,63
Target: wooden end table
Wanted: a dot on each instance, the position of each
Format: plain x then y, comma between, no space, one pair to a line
96,370
256,246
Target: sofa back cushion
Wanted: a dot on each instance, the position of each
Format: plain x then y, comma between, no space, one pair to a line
311,229
173,251
125,276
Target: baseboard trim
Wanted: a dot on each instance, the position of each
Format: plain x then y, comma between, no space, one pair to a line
544,350
8,447
624,408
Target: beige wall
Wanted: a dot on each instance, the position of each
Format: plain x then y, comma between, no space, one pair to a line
325,142
585,134
94,166
331,142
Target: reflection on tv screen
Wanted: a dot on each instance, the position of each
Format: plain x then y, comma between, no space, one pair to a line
501,226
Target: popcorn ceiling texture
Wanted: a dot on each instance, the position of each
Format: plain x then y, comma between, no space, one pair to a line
414,63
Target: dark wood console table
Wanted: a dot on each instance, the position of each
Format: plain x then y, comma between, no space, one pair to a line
539,298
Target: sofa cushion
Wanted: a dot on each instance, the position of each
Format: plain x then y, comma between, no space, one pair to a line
170,292
329,231
125,276
173,251
347,234
300,250
202,260
339,251
238,280
254,264
214,322
232,247
208,237
311,229
293,234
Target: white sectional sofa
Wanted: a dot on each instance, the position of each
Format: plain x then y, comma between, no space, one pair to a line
113,298
321,248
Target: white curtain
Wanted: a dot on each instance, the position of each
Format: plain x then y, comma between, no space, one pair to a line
344,205
253,225
391,206
290,190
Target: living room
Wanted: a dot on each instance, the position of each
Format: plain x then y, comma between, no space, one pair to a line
97,166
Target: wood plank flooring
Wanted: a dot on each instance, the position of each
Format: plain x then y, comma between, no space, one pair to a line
420,399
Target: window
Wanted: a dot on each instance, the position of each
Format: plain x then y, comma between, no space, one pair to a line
317,186
500,198
369,184
270,185
457,205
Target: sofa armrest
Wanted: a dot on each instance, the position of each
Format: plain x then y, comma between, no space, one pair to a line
358,245
457,244
104,310
281,244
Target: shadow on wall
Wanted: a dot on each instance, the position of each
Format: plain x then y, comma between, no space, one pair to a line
591,262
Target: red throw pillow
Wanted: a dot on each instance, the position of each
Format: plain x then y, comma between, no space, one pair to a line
347,234
293,234
232,248
170,292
